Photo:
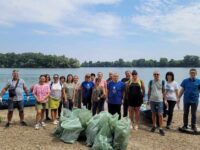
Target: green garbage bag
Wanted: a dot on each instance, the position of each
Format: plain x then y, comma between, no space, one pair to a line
121,135
84,116
102,143
92,130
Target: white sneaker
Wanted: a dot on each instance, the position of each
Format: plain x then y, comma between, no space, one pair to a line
136,127
55,122
43,124
37,126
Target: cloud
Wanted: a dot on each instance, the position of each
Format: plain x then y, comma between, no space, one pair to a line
62,16
181,21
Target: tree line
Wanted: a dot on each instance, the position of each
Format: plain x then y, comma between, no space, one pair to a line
187,61
36,60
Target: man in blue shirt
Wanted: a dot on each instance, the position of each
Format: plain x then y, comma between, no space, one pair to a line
115,95
87,87
190,89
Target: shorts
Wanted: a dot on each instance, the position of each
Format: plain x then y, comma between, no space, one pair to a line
53,103
15,104
156,107
40,106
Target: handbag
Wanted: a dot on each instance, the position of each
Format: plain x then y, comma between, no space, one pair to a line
12,91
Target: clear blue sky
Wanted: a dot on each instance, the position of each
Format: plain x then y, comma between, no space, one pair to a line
101,29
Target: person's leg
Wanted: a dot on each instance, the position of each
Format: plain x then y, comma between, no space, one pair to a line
89,103
52,114
94,108
194,107
137,114
20,105
110,109
130,113
186,113
118,109
171,105
60,108
10,112
125,108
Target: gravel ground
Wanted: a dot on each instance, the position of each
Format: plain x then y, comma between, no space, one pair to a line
27,138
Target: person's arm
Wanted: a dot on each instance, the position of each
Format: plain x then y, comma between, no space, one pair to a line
149,93
143,88
25,89
35,93
177,97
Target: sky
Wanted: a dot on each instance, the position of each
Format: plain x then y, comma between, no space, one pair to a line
101,30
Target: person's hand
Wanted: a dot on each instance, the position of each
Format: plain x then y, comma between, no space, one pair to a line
178,103
166,103
28,98
1,99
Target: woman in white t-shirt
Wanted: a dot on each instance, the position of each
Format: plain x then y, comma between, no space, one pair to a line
171,95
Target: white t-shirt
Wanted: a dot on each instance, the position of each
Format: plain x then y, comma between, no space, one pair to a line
56,90
171,90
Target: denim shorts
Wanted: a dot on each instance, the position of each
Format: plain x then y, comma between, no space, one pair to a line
15,104
156,107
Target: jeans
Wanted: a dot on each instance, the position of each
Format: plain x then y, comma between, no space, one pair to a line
87,103
114,108
194,107
171,105
97,105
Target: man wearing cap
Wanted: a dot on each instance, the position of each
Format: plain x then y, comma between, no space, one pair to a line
155,98
190,87
15,88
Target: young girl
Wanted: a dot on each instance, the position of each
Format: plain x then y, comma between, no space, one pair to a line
98,93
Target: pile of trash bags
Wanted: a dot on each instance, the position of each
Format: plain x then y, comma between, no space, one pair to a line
103,131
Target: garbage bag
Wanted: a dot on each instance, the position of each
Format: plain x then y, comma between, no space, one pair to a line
84,116
121,135
102,143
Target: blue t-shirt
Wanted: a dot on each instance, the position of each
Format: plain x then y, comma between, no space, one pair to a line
87,89
191,90
116,90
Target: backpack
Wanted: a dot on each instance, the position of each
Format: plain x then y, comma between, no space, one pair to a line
163,85
52,85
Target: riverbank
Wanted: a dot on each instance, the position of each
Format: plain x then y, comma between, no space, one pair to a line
27,138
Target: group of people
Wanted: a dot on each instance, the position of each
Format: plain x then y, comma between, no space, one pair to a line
94,91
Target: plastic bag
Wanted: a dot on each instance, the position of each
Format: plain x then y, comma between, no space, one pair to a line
122,132
84,116
102,143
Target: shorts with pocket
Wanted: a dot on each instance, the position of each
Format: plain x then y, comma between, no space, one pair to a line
156,107
15,104
40,106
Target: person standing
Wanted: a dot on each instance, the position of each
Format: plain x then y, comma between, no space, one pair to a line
15,88
86,90
103,84
93,76
69,90
77,92
98,93
155,98
190,87
62,81
110,77
171,95
115,94
55,97
135,94
48,82
41,92
125,102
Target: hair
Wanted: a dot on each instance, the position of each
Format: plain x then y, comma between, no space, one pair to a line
169,74
42,75
97,80
93,74
68,77
193,70
62,77
47,75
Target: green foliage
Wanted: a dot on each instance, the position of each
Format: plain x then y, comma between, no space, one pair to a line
188,61
36,60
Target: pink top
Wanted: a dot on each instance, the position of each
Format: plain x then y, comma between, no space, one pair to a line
103,83
41,91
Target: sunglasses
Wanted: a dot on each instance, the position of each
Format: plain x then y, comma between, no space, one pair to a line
134,74
156,74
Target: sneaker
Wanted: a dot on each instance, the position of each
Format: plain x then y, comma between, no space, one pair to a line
168,127
136,127
7,125
37,126
153,129
43,124
185,127
55,122
23,123
162,132
194,128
